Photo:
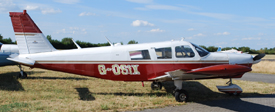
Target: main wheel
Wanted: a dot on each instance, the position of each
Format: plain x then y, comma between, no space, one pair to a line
156,85
24,75
181,95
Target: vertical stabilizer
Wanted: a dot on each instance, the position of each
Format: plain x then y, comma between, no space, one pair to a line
28,36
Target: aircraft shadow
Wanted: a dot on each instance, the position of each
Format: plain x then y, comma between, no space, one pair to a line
85,94
241,105
201,94
54,78
9,82
134,94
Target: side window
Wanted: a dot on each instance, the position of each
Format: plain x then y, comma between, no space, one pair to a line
139,55
184,51
164,53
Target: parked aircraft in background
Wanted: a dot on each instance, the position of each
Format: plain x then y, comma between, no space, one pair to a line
157,62
228,51
10,50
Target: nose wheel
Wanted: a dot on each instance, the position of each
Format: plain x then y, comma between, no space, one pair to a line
156,85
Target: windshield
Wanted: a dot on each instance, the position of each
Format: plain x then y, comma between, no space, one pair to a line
202,52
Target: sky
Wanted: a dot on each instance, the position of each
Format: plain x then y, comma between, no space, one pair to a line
231,23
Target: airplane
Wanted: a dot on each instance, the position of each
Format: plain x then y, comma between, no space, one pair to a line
10,50
229,51
156,62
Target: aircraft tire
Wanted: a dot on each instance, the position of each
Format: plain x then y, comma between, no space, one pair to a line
156,86
24,75
181,95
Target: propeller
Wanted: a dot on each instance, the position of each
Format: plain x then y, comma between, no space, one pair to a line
259,56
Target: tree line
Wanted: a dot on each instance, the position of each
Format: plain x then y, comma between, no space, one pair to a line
243,49
67,43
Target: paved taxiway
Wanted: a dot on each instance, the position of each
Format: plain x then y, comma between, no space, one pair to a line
263,103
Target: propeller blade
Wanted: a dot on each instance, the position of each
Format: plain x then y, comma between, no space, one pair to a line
259,56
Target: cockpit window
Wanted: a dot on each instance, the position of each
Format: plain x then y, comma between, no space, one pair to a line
184,51
202,52
164,53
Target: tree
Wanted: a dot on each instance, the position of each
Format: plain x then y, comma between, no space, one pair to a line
202,46
1,37
212,48
226,48
49,37
132,42
67,40
244,49
6,40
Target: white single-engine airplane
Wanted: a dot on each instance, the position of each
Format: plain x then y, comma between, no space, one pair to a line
156,62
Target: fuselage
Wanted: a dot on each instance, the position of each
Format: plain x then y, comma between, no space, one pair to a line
136,62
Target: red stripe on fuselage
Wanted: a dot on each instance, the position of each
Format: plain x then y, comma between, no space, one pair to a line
147,70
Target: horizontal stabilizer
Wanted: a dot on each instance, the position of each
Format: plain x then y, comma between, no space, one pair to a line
221,70
22,60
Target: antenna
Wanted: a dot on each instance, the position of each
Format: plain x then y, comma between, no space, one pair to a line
78,47
109,41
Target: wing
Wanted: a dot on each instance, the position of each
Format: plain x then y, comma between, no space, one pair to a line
215,71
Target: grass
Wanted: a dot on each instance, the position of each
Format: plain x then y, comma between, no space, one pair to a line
268,56
267,67
46,90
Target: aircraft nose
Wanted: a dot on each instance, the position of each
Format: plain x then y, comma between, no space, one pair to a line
240,58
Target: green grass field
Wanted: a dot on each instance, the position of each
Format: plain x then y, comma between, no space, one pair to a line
46,90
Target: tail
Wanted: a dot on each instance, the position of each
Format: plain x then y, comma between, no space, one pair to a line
28,36
219,49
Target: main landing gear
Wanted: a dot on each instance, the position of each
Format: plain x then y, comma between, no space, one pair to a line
156,86
22,74
180,94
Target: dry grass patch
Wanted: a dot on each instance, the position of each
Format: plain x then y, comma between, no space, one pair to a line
269,56
47,90
267,67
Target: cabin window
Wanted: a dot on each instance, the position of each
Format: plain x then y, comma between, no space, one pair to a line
164,53
139,55
184,51
202,52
